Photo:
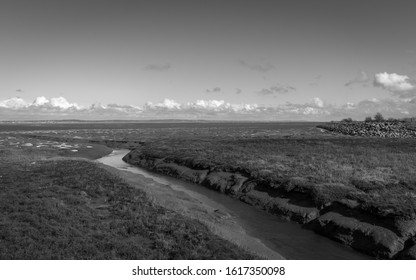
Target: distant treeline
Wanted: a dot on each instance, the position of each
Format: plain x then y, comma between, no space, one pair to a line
378,117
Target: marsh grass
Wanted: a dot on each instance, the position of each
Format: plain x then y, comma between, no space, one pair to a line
73,209
380,173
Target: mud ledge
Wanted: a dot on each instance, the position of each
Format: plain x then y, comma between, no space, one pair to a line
384,237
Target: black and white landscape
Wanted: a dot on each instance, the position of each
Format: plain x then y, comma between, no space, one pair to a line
207,129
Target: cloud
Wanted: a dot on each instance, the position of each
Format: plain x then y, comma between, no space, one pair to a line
114,111
14,103
61,102
395,108
220,105
316,109
360,79
216,89
39,102
198,106
165,104
393,82
276,89
158,67
262,68
318,102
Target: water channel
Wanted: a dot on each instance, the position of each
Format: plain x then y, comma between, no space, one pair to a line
287,238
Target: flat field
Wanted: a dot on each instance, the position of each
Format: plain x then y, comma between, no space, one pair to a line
379,172
376,173
56,204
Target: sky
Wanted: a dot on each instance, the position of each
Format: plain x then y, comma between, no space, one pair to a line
221,60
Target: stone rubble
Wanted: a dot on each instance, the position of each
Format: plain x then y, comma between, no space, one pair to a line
376,129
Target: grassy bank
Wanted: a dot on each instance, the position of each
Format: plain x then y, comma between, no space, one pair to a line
72,209
379,173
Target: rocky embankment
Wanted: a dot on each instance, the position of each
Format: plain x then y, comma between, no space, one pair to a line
378,129
382,235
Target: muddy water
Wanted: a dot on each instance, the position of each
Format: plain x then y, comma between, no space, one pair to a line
287,238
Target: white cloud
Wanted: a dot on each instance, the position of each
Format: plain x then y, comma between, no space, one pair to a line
201,106
166,104
61,102
318,102
350,105
220,106
40,101
208,104
97,106
393,82
316,109
14,103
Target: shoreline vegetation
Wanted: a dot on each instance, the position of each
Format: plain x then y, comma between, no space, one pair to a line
54,207
359,190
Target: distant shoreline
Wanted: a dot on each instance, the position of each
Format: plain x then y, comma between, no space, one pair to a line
156,121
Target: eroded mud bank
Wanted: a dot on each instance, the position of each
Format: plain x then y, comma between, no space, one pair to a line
382,236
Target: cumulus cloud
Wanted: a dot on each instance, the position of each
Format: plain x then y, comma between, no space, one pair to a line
360,79
114,111
14,103
220,105
61,102
349,106
198,106
318,102
207,104
315,109
158,67
40,101
393,82
276,89
56,102
165,104
262,68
